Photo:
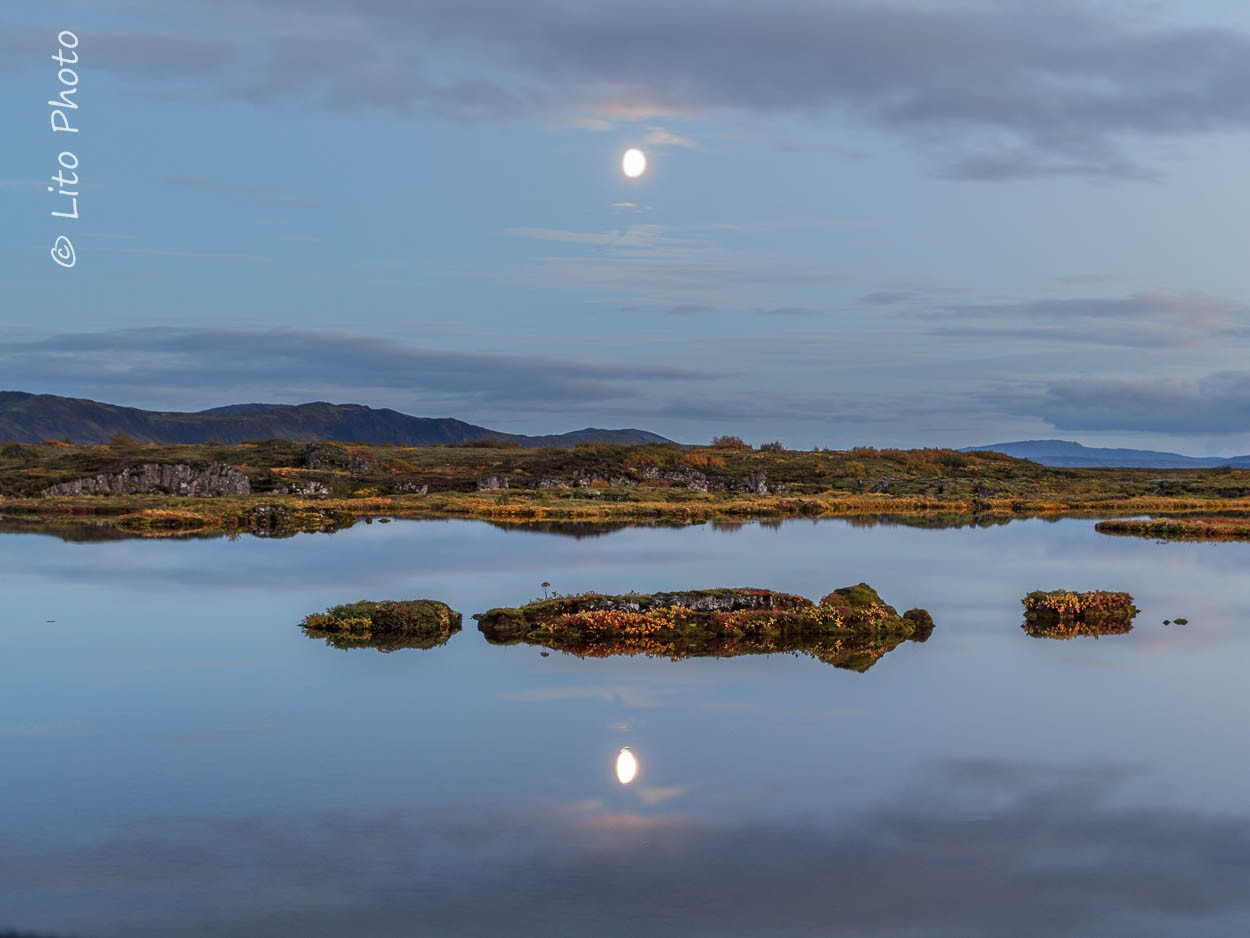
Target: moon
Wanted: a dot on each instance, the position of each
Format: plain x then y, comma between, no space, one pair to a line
626,766
634,163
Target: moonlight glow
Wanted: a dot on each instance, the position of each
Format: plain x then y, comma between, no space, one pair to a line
634,163
626,766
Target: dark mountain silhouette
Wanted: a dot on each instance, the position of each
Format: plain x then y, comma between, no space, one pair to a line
31,418
1068,455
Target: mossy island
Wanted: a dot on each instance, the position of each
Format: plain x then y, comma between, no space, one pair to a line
1066,614
388,625
850,628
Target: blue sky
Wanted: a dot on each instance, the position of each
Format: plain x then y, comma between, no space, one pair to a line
891,223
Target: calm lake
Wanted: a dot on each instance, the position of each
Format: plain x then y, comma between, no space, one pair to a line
180,759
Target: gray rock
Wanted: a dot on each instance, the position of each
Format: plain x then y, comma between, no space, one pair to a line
755,483
213,481
308,487
549,484
692,479
322,455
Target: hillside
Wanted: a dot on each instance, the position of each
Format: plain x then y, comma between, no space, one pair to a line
32,418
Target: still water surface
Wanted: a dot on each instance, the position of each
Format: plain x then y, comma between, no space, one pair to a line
179,759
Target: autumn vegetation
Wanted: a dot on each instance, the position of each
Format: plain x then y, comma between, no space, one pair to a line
1181,528
592,483
1066,614
386,625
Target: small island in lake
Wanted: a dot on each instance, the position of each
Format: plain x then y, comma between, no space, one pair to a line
851,628
1219,528
386,626
1065,614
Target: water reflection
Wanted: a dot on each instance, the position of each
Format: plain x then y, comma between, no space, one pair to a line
101,529
971,849
846,652
244,781
626,766
577,530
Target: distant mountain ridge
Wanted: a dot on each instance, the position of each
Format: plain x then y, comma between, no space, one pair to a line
32,418
1065,454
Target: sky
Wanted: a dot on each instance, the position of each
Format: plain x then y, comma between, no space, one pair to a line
887,223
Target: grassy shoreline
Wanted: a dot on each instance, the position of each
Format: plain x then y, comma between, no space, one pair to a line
154,515
290,487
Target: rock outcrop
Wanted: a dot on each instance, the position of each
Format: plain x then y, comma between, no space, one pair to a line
310,487
323,455
692,479
211,481
755,483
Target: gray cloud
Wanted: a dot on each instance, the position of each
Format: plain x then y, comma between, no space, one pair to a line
1218,403
887,297
1147,319
169,365
655,266
975,850
1027,89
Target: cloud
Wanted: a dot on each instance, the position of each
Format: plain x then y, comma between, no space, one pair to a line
1218,403
975,850
567,237
1147,319
659,137
794,311
635,238
887,297
653,266
168,365
1023,89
